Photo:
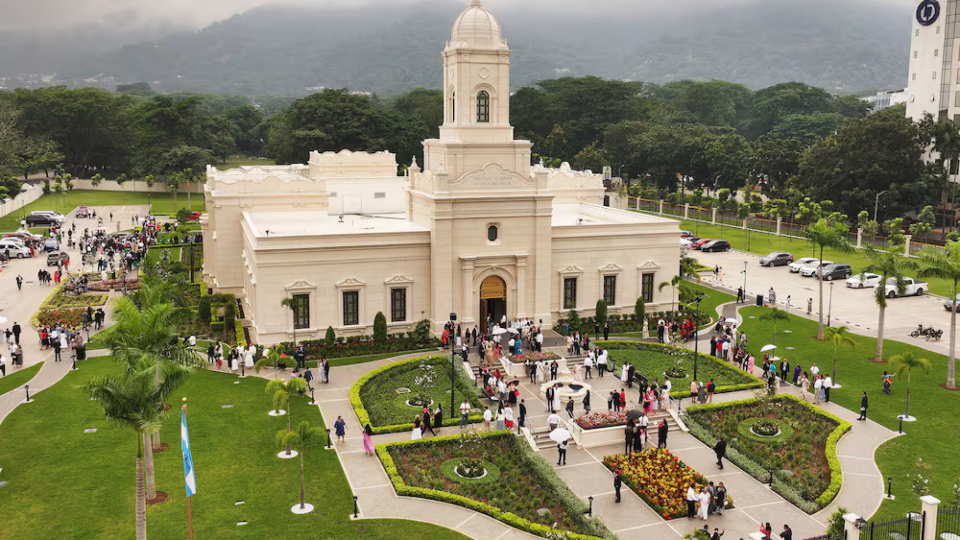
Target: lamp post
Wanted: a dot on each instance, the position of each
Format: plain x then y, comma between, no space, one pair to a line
590,510
889,484
744,282
27,388
696,336
830,306
876,204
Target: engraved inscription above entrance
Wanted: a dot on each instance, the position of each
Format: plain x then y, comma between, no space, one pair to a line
492,176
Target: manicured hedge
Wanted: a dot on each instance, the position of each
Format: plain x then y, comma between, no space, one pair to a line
452,418
758,471
681,387
511,519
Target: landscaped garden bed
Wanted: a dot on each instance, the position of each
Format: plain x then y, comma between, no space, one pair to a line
659,478
516,487
653,360
391,397
82,300
784,436
534,357
600,420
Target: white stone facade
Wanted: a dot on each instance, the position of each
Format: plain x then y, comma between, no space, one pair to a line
477,232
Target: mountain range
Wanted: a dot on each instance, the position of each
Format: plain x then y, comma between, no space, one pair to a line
842,46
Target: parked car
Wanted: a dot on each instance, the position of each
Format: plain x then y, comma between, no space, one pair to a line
796,265
40,220
14,250
911,287
59,218
863,279
810,270
777,258
699,243
685,234
83,212
26,237
954,304
830,272
56,257
194,216
715,245
51,244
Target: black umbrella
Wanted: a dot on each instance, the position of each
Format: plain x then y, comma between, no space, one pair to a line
633,414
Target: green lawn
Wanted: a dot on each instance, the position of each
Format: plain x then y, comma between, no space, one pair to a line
932,437
82,485
652,361
763,243
162,203
16,378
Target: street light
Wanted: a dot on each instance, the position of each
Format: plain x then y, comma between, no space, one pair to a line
830,307
27,388
876,204
696,340
744,281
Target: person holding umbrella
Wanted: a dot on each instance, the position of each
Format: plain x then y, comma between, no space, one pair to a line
561,436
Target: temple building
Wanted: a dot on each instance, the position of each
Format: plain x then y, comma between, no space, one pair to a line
478,231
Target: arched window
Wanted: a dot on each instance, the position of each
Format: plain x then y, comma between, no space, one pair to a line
483,107
453,107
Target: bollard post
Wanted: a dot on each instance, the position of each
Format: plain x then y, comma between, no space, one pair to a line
329,444
889,487
356,509
590,510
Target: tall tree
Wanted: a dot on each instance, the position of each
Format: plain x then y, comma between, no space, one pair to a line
775,315
891,268
839,335
825,235
945,264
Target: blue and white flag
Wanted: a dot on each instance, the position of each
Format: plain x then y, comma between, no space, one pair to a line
189,478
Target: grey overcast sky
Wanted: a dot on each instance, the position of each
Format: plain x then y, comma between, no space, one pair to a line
26,15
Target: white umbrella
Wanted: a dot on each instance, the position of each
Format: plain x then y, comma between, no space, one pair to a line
513,330
4,320
768,348
559,435
732,321
497,331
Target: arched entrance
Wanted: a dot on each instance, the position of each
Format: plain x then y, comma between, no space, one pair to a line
493,301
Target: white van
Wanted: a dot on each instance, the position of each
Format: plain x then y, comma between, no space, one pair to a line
14,249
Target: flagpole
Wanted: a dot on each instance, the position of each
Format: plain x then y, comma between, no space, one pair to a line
189,499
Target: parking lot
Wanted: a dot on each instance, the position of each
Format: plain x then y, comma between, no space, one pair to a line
851,307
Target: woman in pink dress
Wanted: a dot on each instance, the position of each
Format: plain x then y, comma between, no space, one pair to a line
367,440
647,401
750,365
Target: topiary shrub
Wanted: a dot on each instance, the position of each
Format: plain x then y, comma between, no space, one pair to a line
421,332
601,316
330,337
640,310
379,328
203,310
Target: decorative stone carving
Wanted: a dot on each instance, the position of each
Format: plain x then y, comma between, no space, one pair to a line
492,176
350,282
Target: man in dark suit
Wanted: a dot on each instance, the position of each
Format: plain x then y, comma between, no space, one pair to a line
662,434
523,416
721,450
550,392
617,481
863,406
16,332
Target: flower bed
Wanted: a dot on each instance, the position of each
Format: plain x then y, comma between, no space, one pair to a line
599,420
68,317
533,357
375,399
652,360
524,485
114,285
802,456
83,300
362,346
659,478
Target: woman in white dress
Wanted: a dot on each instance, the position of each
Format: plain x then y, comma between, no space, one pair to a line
556,401
541,374
623,373
248,358
704,499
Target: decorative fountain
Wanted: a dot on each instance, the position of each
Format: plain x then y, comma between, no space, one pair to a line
566,386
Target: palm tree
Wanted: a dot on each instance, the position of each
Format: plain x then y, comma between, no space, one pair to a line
824,235
903,364
673,295
130,400
775,314
292,304
891,268
281,391
147,334
839,336
300,438
272,359
945,263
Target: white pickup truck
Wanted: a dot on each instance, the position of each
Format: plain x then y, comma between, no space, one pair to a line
911,287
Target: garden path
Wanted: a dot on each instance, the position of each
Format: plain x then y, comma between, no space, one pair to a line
863,486
19,306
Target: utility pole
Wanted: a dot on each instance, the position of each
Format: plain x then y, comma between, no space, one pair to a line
876,204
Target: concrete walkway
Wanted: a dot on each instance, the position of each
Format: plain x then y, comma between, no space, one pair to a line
19,306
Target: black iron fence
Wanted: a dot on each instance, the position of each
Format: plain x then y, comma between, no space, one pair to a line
908,528
948,522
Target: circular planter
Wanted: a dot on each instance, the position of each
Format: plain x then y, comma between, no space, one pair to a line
417,406
490,474
683,376
745,429
307,508
283,454
281,412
